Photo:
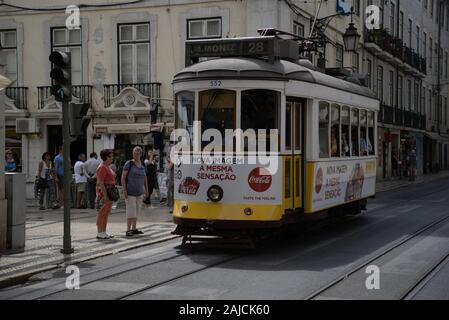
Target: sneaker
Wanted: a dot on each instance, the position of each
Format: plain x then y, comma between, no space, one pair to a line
110,235
129,233
103,236
137,231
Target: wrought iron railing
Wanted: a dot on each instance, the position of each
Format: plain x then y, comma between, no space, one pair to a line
18,95
388,116
396,47
149,89
82,92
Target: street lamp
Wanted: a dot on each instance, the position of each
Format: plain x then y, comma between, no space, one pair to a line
351,38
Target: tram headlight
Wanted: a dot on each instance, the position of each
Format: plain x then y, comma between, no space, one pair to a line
215,193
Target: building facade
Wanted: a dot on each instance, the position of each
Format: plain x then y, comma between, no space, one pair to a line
124,57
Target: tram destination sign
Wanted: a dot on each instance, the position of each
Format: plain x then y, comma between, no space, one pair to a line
259,47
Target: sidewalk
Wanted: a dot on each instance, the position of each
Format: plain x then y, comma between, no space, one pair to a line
404,182
44,238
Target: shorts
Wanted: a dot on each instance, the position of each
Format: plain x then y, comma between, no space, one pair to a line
81,187
60,182
133,206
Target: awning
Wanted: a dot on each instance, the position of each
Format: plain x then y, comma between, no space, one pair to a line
437,137
122,128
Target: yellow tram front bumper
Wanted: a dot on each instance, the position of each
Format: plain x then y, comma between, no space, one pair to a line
230,212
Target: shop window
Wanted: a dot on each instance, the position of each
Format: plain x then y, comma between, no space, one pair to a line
335,130
370,141
345,125
324,129
355,132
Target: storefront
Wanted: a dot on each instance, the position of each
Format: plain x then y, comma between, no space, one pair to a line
388,153
122,138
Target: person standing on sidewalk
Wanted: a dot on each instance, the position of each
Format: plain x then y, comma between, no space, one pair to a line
135,187
10,162
91,166
43,177
80,181
105,178
153,184
170,183
59,167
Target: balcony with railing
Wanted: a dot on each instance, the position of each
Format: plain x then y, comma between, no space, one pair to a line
17,97
131,94
401,118
80,93
381,42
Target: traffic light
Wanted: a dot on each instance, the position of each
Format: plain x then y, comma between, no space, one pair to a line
61,76
77,121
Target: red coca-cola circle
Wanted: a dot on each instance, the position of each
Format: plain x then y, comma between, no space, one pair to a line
319,180
260,179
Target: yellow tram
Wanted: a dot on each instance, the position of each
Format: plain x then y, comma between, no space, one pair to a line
323,129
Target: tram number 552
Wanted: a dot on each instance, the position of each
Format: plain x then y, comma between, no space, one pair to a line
215,83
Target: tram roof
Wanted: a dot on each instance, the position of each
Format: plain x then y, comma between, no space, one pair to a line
258,69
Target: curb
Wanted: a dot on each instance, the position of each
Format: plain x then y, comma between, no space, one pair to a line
22,277
412,183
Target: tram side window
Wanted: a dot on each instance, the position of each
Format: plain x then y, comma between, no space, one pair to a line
355,132
335,130
260,110
345,125
371,149
185,111
364,149
324,129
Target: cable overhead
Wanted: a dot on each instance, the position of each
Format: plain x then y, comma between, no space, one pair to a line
63,8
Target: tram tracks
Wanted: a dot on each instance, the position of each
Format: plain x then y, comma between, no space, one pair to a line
113,271
321,292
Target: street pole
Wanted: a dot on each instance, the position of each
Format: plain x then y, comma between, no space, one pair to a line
67,242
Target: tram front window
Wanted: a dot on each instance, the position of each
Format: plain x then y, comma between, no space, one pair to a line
185,111
260,110
324,130
217,110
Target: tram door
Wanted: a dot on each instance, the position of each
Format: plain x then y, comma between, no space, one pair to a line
293,155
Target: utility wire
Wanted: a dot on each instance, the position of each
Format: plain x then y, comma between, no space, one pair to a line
63,8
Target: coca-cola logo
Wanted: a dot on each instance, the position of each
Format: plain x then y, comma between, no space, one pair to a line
189,186
260,179
319,180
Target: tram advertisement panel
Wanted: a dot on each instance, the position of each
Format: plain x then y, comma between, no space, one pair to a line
343,181
241,183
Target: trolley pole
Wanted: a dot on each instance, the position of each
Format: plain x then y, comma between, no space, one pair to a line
67,242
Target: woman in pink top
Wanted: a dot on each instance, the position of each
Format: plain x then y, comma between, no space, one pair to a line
105,177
